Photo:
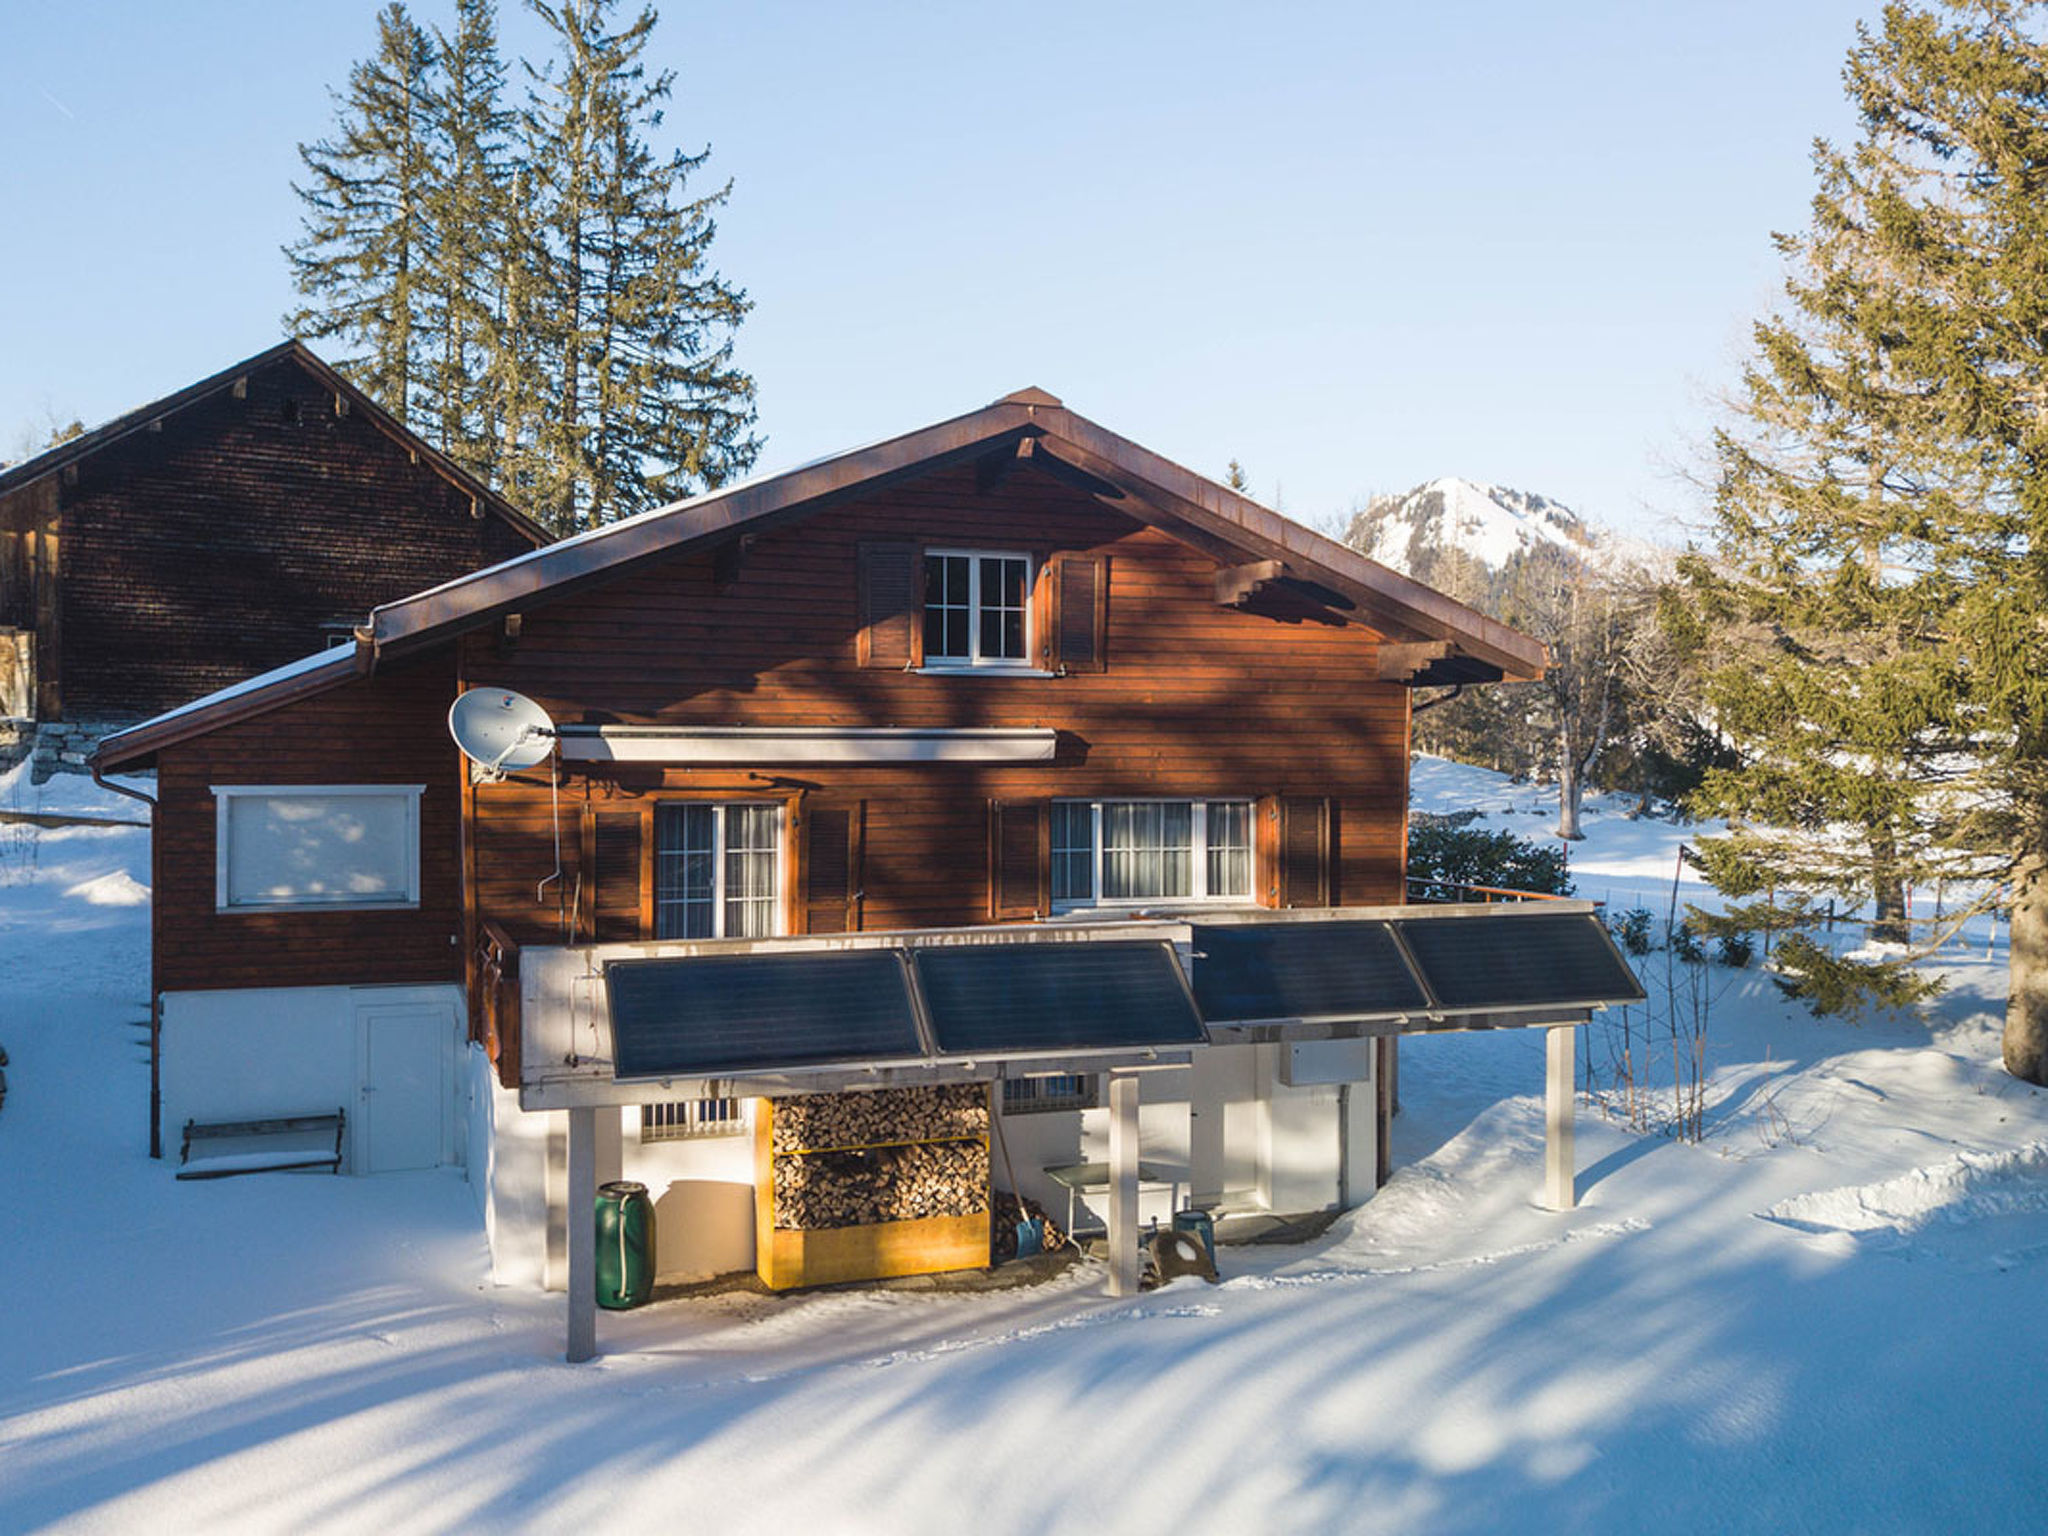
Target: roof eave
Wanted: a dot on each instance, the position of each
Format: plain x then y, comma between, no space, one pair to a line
142,417
136,747
551,572
1399,603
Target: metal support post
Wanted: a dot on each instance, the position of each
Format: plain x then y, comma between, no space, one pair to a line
1123,1183
581,1219
1560,1183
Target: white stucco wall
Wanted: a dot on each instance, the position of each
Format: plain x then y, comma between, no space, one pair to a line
1283,1150
702,1189
259,1053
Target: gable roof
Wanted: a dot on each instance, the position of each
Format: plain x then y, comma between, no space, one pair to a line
1436,639
62,454
252,696
1030,424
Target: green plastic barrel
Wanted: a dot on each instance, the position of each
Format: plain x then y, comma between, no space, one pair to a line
625,1245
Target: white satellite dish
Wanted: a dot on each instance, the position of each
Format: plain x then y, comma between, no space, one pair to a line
500,731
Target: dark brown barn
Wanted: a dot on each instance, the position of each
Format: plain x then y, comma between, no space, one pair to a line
220,531
1010,673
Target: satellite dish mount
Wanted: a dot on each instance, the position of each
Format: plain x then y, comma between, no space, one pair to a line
500,732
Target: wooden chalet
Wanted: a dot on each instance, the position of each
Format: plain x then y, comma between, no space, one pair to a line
220,531
944,788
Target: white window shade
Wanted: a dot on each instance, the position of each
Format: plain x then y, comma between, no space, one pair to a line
317,846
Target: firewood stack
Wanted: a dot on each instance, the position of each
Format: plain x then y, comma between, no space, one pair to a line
889,1115
857,1159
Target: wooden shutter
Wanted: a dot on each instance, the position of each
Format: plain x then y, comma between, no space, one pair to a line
832,870
1016,859
891,605
614,888
1080,611
1303,848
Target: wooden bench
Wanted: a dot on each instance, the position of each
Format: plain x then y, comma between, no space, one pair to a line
277,1161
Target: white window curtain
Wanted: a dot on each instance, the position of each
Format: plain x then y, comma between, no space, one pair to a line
716,871
1151,850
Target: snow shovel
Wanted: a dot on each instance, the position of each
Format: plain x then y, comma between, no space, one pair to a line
1030,1229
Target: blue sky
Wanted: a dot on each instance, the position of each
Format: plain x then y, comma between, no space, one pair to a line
1355,246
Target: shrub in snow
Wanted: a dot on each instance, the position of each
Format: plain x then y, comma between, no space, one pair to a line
1632,930
1736,949
1444,855
1832,983
1685,944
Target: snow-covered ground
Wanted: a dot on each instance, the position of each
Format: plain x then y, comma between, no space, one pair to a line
1829,1316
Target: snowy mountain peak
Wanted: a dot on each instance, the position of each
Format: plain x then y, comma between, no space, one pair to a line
1487,524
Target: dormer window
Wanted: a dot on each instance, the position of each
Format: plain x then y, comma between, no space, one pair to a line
975,608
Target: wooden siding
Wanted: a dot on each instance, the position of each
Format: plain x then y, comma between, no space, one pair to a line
219,544
1195,699
383,730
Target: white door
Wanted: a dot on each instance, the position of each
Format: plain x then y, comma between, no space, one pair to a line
402,1086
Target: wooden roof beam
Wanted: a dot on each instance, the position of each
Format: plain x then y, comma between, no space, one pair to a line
1237,585
1433,664
992,469
1402,663
1396,605
1057,460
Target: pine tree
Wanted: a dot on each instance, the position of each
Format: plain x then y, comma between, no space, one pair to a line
367,238
467,196
643,400
530,291
1880,588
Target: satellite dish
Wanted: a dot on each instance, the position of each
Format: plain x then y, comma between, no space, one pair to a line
500,730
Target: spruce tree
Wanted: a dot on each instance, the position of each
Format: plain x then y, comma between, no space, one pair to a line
1878,600
530,291
467,199
367,238
644,401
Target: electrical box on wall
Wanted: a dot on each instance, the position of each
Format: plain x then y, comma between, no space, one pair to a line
1317,1063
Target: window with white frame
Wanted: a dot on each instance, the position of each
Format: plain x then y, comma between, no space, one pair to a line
1110,851
279,846
717,870
976,605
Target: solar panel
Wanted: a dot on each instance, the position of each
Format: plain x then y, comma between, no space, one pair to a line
1519,960
1301,970
1065,996
721,1015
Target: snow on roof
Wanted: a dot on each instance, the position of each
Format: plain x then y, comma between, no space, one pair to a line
336,656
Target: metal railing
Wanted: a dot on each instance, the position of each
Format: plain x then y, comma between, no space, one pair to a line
694,1119
1441,892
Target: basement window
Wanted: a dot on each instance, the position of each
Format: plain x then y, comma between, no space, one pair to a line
278,847
1107,852
693,1120
976,608
1049,1093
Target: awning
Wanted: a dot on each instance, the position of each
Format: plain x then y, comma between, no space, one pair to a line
804,744
1413,969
